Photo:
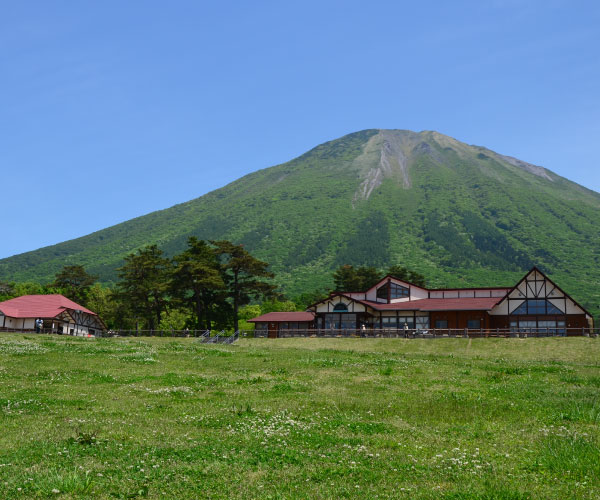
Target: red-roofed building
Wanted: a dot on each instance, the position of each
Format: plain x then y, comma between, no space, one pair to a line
274,321
58,314
535,302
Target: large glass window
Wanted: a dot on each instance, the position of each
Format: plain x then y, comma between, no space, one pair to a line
395,291
340,321
382,292
348,321
398,291
406,320
441,323
389,322
528,324
331,321
537,307
422,322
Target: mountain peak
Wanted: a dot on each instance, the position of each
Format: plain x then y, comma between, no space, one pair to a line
423,200
389,154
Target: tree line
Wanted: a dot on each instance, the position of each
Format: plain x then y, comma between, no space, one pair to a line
210,285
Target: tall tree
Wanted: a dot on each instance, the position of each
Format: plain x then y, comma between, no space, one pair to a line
406,274
197,282
75,282
355,279
144,282
7,290
243,275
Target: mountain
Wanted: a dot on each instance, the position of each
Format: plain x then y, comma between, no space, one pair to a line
461,215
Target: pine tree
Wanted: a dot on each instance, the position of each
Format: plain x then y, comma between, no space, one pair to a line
197,282
241,274
75,282
144,283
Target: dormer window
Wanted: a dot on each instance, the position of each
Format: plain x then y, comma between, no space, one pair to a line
391,291
398,291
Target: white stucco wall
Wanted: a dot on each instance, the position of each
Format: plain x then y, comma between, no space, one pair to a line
328,305
18,323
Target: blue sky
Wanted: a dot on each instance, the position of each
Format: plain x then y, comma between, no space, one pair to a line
110,110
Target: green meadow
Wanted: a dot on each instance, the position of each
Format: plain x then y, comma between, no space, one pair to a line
299,418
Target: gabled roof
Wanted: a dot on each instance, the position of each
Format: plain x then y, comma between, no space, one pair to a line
332,295
40,306
389,276
274,317
503,288
536,269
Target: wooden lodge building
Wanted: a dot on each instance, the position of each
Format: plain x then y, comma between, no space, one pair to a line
534,304
57,314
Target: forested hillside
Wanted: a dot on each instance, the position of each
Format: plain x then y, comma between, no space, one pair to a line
461,215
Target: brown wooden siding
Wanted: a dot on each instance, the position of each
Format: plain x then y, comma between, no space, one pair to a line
459,319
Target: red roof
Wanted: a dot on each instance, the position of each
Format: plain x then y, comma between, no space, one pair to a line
39,306
274,317
461,304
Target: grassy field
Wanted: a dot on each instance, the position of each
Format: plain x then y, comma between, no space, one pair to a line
299,418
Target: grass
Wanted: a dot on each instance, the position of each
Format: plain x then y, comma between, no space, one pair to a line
299,418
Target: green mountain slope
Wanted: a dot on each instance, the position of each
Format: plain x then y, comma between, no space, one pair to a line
462,215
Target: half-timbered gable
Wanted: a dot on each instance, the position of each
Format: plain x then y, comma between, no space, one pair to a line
537,302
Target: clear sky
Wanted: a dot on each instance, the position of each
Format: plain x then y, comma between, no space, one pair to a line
112,109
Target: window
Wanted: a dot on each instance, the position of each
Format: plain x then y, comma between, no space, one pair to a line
527,324
389,322
441,323
406,320
340,321
474,324
382,292
348,321
395,291
552,309
546,324
340,306
537,306
422,322
332,321
398,291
